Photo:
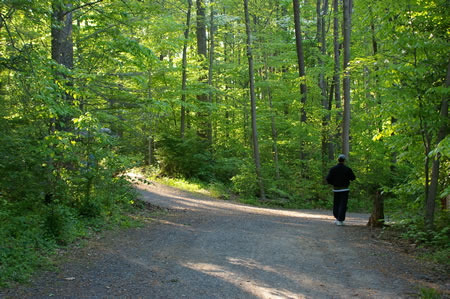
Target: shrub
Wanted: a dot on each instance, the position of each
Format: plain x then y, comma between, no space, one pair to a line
188,157
245,182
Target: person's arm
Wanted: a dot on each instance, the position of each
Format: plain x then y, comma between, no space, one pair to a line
352,175
330,177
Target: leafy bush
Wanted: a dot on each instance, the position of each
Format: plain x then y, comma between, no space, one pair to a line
245,182
60,223
225,168
187,157
435,241
23,238
69,184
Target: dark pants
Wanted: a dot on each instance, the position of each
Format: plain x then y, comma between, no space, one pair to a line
340,205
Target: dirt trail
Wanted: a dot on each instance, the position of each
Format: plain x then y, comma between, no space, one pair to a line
206,248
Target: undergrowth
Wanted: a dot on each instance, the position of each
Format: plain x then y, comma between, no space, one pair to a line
430,244
31,230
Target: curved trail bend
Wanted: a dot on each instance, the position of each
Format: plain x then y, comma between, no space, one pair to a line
207,248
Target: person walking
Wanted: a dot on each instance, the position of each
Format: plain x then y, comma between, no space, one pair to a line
340,176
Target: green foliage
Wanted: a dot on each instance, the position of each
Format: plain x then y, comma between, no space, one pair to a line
245,182
435,242
60,223
187,157
191,157
31,229
429,293
67,133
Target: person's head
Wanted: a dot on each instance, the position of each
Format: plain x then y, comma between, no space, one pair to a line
341,158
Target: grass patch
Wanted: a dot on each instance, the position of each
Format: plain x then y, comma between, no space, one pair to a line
214,189
429,293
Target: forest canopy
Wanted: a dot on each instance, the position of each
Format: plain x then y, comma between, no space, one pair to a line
259,97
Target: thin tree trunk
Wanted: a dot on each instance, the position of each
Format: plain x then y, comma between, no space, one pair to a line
210,70
225,54
319,21
330,107
150,141
184,63
346,83
322,83
443,131
337,69
253,103
301,66
150,133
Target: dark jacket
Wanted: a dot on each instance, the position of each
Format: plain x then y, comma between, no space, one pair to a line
340,176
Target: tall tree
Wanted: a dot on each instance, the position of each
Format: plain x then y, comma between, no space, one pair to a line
184,65
336,56
377,216
443,132
62,41
211,63
204,126
321,34
62,47
346,83
301,65
253,103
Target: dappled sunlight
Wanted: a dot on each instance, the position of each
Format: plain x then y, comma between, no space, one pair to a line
306,249
251,264
186,201
244,282
181,225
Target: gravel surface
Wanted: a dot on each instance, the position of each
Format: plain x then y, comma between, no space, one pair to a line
207,248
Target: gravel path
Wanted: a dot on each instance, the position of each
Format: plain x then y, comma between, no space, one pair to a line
206,248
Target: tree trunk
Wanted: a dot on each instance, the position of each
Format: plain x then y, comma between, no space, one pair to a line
62,43
301,66
150,141
330,137
443,131
150,122
210,70
225,57
377,217
346,83
183,83
203,129
337,69
253,103
322,83
62,47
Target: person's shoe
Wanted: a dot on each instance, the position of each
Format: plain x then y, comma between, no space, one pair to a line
339,223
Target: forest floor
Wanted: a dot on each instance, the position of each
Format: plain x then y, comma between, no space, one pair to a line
207,248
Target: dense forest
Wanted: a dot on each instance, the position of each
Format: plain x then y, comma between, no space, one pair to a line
256,98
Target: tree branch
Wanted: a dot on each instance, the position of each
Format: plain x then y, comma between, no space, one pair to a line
9,32
82,6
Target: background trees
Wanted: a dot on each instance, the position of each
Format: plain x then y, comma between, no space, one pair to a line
90,88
